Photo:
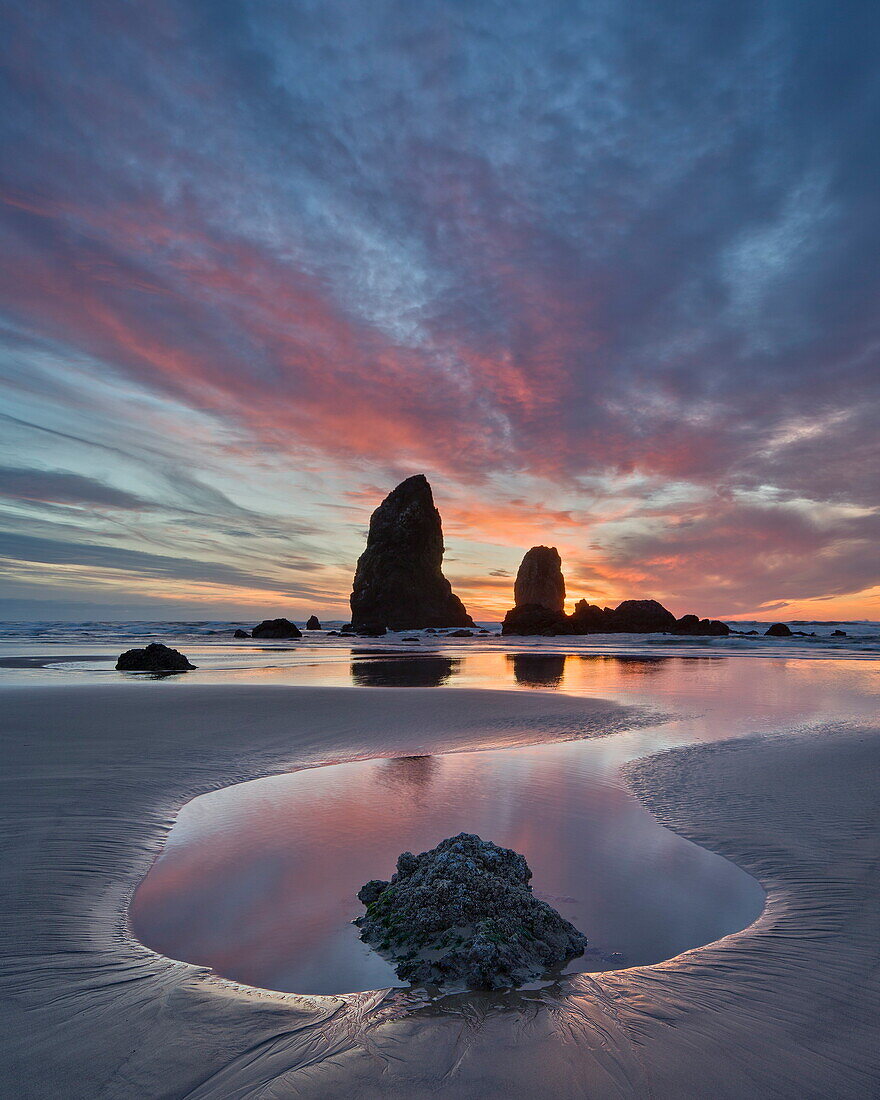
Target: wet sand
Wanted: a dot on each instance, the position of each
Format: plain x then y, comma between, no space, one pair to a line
92,780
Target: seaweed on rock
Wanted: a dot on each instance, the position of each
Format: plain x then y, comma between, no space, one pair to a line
464,913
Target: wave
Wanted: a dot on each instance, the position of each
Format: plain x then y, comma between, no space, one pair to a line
812,637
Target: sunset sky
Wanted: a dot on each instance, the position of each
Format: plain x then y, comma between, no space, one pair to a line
606,272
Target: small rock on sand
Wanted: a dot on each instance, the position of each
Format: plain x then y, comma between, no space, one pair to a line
277,628
155,658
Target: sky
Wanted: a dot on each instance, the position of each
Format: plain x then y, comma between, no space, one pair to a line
606,273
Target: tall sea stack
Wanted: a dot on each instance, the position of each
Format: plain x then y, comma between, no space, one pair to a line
539,580
399,582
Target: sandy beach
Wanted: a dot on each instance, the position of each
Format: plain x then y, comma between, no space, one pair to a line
92,781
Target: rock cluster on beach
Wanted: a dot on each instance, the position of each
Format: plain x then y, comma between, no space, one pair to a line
155,658
464,913
629,617
399,583
276,628
540,595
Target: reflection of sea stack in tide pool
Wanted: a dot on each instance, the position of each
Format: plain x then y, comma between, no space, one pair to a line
430,671
537,669
399,582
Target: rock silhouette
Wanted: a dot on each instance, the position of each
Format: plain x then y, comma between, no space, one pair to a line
276,628
371,630
539,580
778,630
641,617
241,633
314,623
399,582
695,626
540,584
629,617
589,618
464,914
155,658
532,618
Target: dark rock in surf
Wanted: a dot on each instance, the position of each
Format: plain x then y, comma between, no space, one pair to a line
694,626
778,630
314,623
399,582
276,628
641,617
532,618
155,658
714,628
464,914
460,634
539,579
629,617
838,634
241,634
588,618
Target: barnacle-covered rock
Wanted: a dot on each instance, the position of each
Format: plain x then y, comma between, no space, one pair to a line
464,914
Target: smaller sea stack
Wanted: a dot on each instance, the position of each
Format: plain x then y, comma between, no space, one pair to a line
539,580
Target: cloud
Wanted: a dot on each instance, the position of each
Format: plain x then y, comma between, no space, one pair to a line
61,487
447,238
740,556
17,547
